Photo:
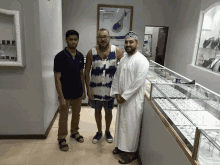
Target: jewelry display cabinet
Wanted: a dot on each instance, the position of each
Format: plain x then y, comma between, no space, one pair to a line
10,40
180,116
160,74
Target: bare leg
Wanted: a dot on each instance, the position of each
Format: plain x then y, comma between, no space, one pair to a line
98,118
108,119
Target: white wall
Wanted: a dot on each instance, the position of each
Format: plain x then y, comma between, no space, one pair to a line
180,49
182,36
51,44
21,88
28,97
148,30
82,16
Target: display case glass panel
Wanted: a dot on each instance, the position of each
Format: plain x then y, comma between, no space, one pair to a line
159,74
154,64
186,107
209,149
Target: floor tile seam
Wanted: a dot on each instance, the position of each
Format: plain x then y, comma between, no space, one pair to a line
30,153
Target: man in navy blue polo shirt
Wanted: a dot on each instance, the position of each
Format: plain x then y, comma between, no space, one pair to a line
69,80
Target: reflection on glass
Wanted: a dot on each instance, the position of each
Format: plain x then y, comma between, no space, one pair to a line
208,153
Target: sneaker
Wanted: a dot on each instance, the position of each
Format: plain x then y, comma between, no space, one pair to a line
109,137
97,137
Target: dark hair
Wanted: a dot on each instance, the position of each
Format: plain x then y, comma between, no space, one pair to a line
72,32
103,29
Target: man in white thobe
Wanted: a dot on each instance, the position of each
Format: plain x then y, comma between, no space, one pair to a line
128,87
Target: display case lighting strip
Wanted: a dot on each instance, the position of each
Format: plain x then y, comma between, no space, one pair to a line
175,105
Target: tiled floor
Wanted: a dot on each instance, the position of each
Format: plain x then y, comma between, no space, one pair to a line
46,152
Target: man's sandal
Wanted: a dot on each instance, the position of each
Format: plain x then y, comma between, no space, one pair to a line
125,159
63,147
117,151
77,137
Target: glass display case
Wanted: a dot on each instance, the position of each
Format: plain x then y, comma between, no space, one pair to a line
191,110
159,74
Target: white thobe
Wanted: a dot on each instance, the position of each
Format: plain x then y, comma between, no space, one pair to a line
129,82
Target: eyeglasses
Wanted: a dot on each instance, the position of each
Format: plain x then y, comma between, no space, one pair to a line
103,37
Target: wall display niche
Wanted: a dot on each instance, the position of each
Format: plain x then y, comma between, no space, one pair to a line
10,40
208,53
117,20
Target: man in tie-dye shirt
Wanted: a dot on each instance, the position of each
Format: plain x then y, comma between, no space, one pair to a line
102,62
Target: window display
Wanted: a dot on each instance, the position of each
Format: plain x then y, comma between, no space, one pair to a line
208,54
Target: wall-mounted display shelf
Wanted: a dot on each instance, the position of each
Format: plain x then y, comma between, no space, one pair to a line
10,39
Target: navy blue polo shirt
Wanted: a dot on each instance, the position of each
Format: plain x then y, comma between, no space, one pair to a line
70,73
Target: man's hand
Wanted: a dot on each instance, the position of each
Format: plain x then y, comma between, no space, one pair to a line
120,99
83,96
90,94
116,96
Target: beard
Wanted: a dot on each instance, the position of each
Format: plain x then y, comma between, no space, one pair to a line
130,50
103,45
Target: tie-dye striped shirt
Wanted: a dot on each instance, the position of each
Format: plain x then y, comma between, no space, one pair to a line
102,74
